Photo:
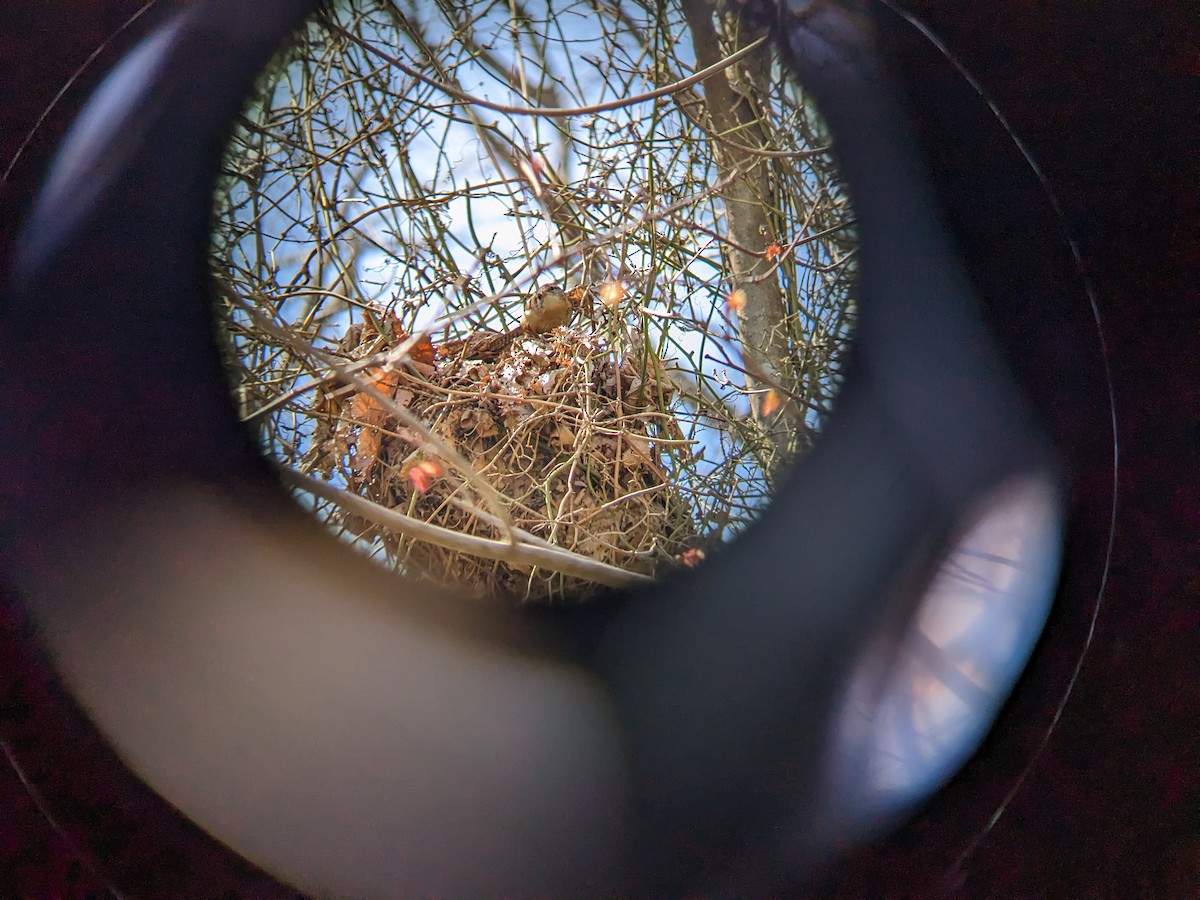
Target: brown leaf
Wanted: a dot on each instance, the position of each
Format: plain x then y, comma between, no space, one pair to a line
367,412
479,422
383,380
605,445
640,450
563,436
584,298
366,451
422,351
547,382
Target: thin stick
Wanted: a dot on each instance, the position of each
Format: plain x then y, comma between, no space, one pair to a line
515,553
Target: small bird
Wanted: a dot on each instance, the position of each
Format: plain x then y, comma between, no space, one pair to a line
546,308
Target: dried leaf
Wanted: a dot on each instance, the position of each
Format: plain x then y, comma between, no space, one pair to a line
546,382
563,436
366,411
478,422
583,297
640,450
366,408
383,380
422,351
366,452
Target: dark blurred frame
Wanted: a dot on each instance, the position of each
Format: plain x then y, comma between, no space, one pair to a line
1093,98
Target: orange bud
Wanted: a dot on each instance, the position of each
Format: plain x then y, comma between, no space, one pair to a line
770,403
421,475
737,301
611,293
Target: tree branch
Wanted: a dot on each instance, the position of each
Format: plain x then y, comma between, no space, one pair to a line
551,112
518,553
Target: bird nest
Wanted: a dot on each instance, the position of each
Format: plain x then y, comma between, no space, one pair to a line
576,439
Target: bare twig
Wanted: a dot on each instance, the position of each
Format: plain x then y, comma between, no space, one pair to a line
551,112
516,552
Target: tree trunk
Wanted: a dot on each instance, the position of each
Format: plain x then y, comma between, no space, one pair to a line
735,106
